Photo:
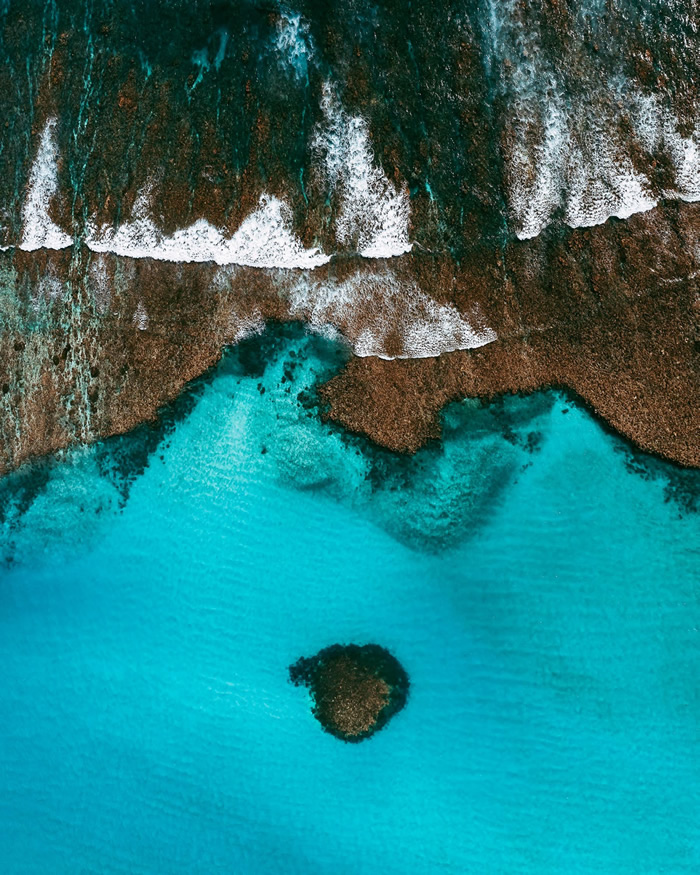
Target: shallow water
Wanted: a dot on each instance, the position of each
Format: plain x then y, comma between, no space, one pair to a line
538,581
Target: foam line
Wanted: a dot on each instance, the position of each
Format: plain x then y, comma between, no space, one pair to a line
39,231
374,213
377,312
264,239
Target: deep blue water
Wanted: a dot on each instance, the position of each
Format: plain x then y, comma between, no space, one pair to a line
542,595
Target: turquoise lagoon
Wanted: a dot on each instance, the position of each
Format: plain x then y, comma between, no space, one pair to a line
537,579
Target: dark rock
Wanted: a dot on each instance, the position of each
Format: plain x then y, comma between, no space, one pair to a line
355,689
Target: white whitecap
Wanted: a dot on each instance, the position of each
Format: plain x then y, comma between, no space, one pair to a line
265,238
579,156
658,131
373,308
39,231
537,176
374,213
583,170
603,186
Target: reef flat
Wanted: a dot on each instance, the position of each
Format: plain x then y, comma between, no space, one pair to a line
463,212
130,333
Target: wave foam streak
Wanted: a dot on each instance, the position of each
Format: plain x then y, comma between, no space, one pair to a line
374,213
264,239
38,228
385,316
584,139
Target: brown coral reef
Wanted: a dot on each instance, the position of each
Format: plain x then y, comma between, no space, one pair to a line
355,689
611,312
94,344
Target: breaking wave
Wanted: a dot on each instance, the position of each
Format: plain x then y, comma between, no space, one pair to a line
382,315
264,239
374,213
39,229
583,154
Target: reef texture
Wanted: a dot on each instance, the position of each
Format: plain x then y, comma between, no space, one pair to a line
355,689
509,207
130,333
611,312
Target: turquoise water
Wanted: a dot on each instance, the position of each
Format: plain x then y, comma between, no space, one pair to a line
537,581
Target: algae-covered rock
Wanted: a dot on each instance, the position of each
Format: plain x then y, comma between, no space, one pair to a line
355,689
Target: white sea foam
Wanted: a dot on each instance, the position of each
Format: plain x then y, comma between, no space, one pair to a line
293,43
246,326
373,217
388,310
99,284
264,239
537,177
603,185
39,230
584,170
374,213
658,131
590,178
568,154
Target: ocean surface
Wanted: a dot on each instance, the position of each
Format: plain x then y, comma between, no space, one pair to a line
539,581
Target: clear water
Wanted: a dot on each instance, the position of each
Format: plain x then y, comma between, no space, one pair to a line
542,596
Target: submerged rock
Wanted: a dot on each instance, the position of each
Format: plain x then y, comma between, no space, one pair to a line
355,689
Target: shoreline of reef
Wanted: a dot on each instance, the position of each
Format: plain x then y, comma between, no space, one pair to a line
95,344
